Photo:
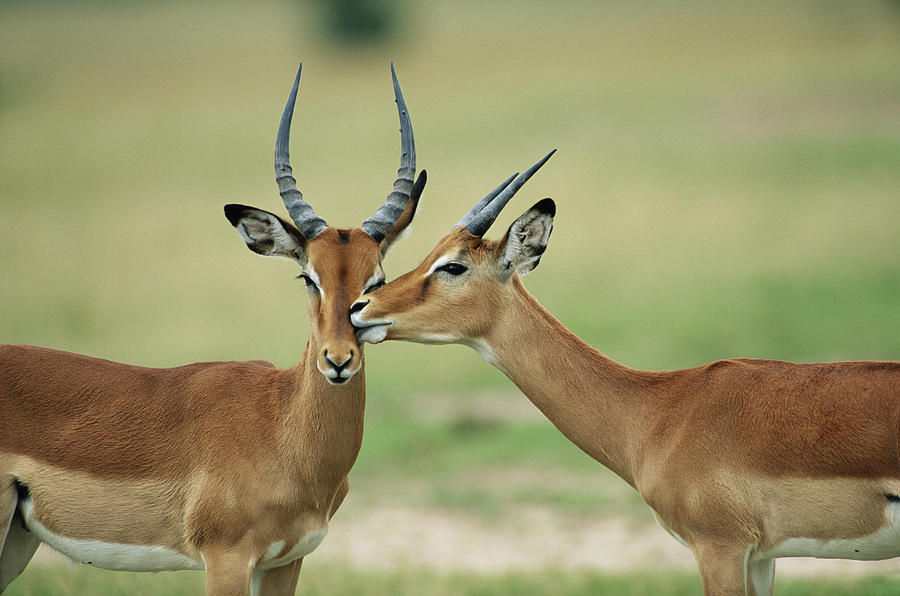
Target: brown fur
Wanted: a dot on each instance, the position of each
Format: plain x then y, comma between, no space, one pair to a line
734,457
217,461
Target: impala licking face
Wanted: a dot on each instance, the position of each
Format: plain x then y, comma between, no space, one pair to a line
454,296
742,460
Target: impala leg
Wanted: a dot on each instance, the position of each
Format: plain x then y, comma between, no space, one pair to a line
8,500
17,544
227,573
281,581
724,570
762,576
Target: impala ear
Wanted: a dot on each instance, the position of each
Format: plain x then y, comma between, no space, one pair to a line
266,233
409,211
526,240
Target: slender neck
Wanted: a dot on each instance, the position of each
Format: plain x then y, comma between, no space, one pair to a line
322,425
597,403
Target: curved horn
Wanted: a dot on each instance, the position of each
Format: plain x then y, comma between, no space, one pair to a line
481,204
482,220
301,212
379,225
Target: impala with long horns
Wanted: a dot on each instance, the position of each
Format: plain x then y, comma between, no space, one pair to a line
742,460
231,467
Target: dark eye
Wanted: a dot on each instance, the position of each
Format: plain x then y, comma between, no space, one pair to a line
453,268
310,284
374,287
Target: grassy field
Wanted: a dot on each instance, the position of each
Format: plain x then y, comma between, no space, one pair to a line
330,580
727,185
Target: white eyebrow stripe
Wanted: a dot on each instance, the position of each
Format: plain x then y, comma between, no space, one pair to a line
308,270
438,264
378,277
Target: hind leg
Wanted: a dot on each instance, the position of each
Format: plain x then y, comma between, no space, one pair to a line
17,544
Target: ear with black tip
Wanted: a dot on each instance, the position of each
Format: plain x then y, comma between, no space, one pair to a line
267,234
409,211
526,240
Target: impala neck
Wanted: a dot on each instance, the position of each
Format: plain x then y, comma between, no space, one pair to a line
322,418
595,402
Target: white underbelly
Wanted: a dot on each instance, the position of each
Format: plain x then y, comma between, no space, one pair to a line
118,557
275,557
882,544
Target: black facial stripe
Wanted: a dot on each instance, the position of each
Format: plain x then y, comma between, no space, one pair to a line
425,285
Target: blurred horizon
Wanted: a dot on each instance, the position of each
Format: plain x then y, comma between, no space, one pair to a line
698,136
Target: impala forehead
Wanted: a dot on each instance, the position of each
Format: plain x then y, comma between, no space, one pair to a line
343,259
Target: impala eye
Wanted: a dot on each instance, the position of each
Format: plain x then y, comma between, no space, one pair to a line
453,268
374,286
310,284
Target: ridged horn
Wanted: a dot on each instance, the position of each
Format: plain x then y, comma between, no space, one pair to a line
480,221
379,225
301,212
480,204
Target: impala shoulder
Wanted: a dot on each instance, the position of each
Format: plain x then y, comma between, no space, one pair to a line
733,367
262,363
231,376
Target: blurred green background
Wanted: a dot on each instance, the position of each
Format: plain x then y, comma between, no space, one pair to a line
727,182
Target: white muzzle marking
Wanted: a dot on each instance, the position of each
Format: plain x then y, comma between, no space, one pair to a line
372,334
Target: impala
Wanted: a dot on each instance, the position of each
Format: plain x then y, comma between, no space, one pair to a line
231,467
742,460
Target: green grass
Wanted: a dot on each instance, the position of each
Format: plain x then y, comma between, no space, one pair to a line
485,466
51,580
726,184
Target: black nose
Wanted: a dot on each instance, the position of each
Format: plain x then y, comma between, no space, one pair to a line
358,306
339,366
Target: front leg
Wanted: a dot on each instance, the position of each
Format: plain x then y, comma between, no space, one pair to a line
17,544
762,576
280,581
725,569
228,572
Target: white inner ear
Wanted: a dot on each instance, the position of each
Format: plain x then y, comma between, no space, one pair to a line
526,242
262,228
286,241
